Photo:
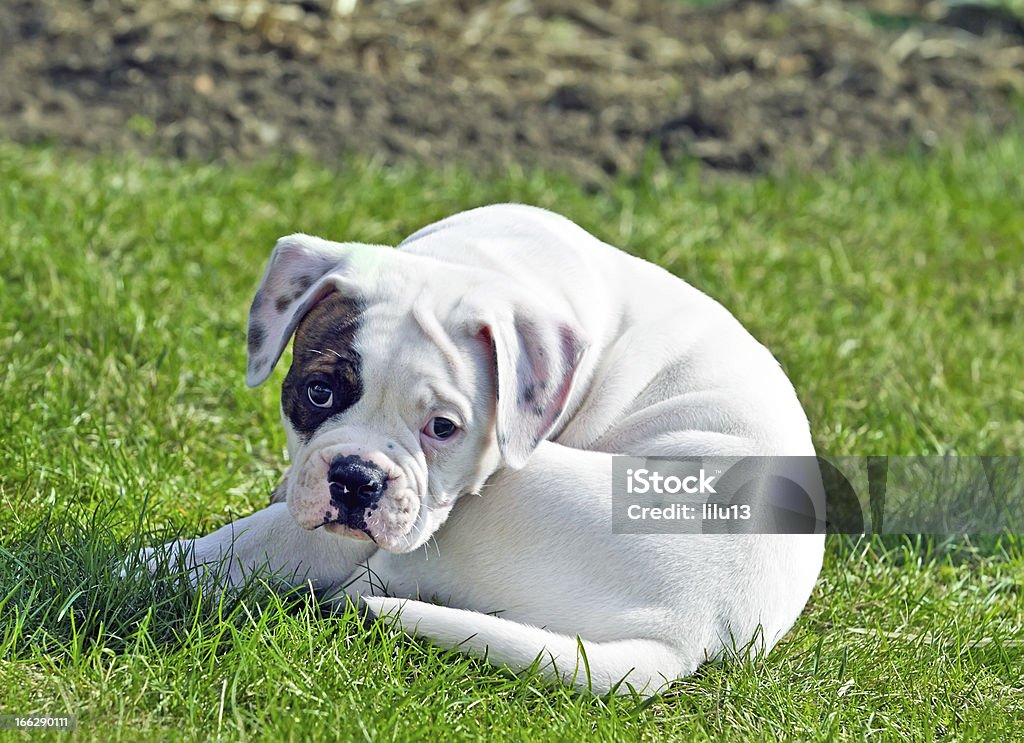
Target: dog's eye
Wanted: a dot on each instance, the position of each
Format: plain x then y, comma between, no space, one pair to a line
441,428
320,394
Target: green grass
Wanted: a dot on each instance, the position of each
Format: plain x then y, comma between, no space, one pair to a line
891,292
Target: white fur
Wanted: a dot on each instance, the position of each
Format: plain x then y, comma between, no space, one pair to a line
626,359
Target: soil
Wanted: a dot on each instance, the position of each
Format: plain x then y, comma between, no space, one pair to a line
595,88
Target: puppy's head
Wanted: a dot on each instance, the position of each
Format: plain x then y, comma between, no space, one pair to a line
412,381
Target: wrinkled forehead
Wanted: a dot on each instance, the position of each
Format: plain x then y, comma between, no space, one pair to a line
412,339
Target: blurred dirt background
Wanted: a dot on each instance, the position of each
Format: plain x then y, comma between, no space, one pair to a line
593,88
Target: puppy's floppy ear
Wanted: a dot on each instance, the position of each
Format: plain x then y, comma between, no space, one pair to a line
302,271
535,359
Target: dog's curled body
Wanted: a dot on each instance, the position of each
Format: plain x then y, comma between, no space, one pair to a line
549,351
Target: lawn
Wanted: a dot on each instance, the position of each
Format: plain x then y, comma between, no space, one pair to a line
889,290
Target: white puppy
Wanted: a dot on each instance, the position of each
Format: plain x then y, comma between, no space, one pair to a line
452,410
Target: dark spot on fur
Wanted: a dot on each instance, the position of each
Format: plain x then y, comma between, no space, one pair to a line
357,521
531,393
257,302
303,282
323,350
257,334
282,303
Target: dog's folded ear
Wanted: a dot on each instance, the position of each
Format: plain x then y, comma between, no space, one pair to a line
535,359
301,272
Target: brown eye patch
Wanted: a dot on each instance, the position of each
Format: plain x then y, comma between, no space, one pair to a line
323,353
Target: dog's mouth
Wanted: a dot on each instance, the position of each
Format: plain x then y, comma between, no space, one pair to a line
343,529
394,528
388,524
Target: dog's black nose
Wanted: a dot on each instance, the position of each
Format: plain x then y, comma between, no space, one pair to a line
355,483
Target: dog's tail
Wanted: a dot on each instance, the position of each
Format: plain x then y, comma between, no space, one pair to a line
642,665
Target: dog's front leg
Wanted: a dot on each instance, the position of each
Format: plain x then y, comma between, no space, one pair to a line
269,542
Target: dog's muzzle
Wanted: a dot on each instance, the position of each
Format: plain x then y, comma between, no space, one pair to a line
354,491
